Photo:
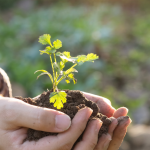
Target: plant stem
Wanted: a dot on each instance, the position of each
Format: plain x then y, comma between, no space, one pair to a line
56,63
63,76
72,66
50,44
54,83
57,75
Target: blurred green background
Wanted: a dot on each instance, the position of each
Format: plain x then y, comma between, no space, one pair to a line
117,31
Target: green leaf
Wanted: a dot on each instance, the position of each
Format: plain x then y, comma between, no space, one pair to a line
61,65
83,58
57,68
71,77
57,44
58,98
48,50
45,39
39,71
70,70
74,81
67,81
44,72
91,57
68,59
58,53
65,56
43,51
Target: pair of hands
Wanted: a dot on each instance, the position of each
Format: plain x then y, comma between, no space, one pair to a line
17,116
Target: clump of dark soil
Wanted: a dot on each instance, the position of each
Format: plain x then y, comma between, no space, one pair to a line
75,102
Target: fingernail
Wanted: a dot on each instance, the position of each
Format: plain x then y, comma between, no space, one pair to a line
114,120
62,122
84,112
123,120
89,109
125,108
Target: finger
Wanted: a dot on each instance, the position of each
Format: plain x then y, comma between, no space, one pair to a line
122,111
12,138
103,103
17,136
17,113
78,126
119,133
65,140
90,137
103,142
105,139
112,126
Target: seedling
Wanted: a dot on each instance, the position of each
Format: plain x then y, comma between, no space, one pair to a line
59,97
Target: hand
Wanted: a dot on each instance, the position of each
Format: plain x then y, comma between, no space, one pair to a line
16,116
116,131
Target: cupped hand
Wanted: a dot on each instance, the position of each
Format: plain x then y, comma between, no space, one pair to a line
117,131
17,116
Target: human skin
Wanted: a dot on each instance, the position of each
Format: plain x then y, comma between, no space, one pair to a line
17,116
118,133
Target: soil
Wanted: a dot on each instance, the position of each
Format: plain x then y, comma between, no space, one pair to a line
75,102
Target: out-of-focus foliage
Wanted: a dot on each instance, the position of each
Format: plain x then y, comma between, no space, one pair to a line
5,4
119,39
19,37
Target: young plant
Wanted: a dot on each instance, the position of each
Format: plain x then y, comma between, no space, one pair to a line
59,97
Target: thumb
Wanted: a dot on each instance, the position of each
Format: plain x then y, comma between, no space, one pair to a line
103,103
17,113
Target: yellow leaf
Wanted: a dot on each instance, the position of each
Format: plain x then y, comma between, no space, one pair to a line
58,98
